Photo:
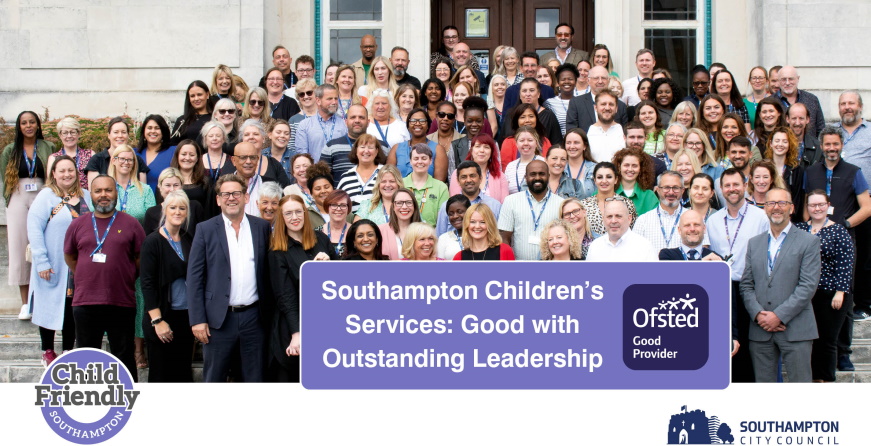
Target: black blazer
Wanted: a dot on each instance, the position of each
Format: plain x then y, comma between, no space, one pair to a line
274,172
160,267
582,113
284,274
675,254
812,150
208,278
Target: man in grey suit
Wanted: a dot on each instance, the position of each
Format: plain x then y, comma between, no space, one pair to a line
781,275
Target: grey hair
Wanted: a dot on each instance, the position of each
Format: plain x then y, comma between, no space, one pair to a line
176,196
858,96
251,123
832,130
670,173
676,124
271,189
207,127
323,88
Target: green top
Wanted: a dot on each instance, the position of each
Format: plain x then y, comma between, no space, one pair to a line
429,198
644,200
139,199
44,149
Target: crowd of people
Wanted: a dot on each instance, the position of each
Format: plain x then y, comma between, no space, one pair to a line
196,232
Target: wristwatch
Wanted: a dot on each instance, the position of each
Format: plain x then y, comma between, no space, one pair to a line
847,224
156,321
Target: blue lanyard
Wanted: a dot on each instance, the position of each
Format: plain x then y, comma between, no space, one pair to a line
384,209
536,220
276,106
31,163
829,173
100,241
383,134
517,173
176,246
580,171
217,170
809,227
458,129
323,128
124,196
486,183
772,261
339,245
308,198
662,227
685,255
256,178
667,162
459,240
726,223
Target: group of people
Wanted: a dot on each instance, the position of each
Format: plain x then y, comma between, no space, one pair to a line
198,233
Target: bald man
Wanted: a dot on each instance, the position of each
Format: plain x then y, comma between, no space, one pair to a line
789,94
368,48
620,244
524,214
462,55
582,109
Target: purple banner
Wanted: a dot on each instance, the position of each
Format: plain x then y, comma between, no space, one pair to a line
515,325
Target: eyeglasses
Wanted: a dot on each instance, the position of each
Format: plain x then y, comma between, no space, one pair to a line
417,121
340,207
296,213
674,136
404,204
275,79
817,205
455,37
303,94
443,115
563,34
701,83
69,132
123,160
780,204
226,195
227,112
788,80
757,78
671,188
694,144
247,157
575,213
442,70
256,103
305,70
614,199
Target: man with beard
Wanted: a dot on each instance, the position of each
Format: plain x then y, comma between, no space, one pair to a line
524,214
739,153
582,112
781,277
246,160
564,52
314,132
809,151
606,136
691,228
633,134
790,94
281,59
729,230
659,225
399,59
336,152
469,177
102,251
620,244
230,303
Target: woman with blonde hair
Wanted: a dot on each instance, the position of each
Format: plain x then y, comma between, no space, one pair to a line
378,207
240,91
763,177
346,81
420,243
574,212
560,241
480,236
380,77
222,83
696,140
510,67
255,106
225,114
685,114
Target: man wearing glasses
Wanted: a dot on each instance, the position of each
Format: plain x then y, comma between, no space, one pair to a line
790,94
368,48
564,52
230,304
450,38
780,278
305,69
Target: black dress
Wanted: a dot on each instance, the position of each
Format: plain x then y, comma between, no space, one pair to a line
152,218
160,267
284,273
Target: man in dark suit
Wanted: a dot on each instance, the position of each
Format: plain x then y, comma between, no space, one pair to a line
692,232
781,275
230,304
529,64
582,109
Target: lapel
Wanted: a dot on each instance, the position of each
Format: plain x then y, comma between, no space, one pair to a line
222,238
780,256
591,107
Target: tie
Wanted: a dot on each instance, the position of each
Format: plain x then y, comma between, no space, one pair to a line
692,254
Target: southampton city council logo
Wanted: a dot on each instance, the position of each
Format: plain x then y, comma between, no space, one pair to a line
695,427
86,396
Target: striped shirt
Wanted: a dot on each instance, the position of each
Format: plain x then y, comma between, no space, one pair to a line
358,189
652,225
560,108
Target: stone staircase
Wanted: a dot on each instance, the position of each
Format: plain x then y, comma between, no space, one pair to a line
20,352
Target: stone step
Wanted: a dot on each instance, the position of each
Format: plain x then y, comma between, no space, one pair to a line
27,347
12,326
862,330
30,371
861,351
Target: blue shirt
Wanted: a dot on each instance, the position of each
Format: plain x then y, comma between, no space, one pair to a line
314,132
857,148
285,161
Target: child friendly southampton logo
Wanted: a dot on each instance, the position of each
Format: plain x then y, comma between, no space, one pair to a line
86,396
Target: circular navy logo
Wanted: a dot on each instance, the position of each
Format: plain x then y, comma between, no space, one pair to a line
86,396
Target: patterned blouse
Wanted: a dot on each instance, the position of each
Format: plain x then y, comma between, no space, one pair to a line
837,255
83,156
138,200
594,216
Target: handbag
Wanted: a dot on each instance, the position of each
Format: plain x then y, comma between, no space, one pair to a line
28,257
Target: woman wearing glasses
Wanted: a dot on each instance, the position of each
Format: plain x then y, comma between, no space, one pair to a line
69,131
403,214
153,147
225,113
294,242
338,205
280,105
305,94
573,211
696,141
400,154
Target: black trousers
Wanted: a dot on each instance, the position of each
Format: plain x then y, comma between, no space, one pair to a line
240,336
46,336
742,364
862,288
171,362
824,356
117,322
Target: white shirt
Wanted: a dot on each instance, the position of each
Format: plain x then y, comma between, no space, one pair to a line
603,145
253,195
517,217
449,245
631,247
755,223
243,279
630,91
396,132
653,223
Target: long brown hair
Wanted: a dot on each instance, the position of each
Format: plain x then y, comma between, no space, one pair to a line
279,232
11,180
415,215
198,175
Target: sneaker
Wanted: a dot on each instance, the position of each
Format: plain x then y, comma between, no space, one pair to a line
48,357
24,314
861,315
844,364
